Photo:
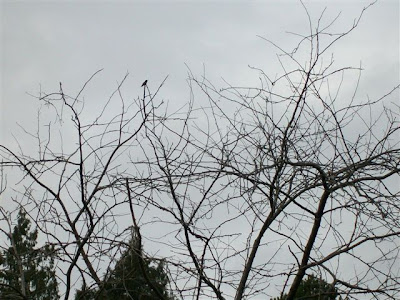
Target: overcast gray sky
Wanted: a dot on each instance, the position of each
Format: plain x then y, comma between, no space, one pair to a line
45,42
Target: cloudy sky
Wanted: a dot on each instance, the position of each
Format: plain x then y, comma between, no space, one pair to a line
45,42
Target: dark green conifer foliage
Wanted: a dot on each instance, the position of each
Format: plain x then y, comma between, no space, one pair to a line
128,280
27,272
313,288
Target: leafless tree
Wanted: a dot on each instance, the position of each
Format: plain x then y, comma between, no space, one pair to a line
72,187
243,191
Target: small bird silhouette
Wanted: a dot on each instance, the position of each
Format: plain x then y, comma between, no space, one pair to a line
144,83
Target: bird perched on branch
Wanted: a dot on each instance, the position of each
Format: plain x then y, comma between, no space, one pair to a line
144,83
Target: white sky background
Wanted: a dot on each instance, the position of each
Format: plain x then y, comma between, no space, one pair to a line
43,43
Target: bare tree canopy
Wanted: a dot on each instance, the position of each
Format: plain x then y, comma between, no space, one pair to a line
243,192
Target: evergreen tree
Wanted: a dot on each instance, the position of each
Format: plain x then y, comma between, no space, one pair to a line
133,277
313,288
26,272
